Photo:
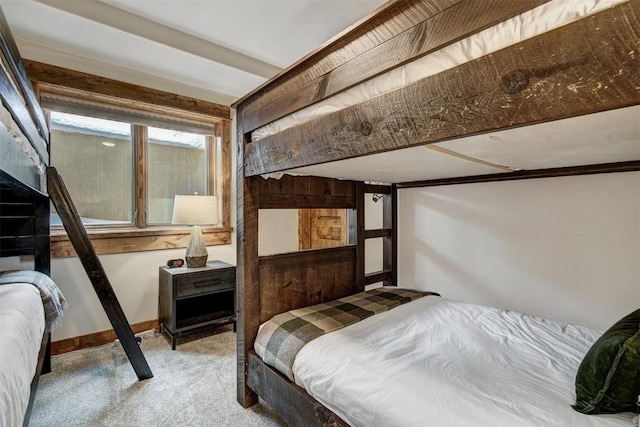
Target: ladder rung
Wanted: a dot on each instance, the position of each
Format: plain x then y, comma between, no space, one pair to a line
381,232
377,276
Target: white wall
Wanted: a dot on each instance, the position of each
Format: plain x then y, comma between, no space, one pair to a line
561,248
277,231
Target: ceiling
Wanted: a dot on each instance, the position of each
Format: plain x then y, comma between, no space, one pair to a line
216,50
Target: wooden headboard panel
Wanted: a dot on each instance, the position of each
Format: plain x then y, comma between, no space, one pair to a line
24,223
294,280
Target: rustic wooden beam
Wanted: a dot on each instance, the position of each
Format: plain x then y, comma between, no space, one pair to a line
98,277
290,401
533,174
65,77
223,144
391,18
247,272
306,192
446,27
584,67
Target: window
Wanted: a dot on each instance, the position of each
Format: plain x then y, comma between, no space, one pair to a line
95,157
176,164
123,162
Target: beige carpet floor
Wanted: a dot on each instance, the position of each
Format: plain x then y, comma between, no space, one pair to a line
194,385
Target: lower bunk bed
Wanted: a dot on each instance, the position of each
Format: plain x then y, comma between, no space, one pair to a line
30,306
440,362
30,303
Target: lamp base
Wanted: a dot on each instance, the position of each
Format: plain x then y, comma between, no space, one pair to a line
196,255
196,261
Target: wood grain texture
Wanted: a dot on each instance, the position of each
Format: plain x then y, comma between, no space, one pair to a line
140,155
247,272
391,19
294,405
322,228
46,73
452,24
298,279
223,145
306,192
137,241
584,67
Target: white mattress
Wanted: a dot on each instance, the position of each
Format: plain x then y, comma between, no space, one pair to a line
437,362
21,329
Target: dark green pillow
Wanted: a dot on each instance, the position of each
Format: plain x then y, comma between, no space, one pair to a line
608,379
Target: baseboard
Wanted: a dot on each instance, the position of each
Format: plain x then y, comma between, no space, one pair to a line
97,338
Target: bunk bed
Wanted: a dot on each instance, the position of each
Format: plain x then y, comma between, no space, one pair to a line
420,93
30,303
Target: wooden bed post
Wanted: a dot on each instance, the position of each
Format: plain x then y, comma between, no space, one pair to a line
390,243
360,236
247,273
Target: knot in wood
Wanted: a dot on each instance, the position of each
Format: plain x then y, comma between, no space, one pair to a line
514,82
365,128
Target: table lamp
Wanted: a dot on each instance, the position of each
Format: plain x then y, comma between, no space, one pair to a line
195,211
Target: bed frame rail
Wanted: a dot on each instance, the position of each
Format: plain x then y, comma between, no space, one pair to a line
290,401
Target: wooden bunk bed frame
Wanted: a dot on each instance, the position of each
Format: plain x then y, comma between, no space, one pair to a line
24,203
536,79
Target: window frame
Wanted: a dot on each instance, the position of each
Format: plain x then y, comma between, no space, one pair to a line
123,98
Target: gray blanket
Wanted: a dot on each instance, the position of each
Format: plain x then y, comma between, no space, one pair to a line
52,299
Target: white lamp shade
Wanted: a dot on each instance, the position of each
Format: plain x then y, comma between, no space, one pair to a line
195,210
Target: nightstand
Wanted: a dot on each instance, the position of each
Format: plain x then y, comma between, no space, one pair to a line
191,299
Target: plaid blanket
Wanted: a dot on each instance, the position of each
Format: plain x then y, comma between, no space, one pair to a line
52,299
280,338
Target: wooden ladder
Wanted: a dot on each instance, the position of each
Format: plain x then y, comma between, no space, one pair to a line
92,265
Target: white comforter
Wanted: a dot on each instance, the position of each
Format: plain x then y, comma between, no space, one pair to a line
21,328
437,362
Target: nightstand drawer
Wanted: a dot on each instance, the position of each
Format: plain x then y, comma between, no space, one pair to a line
196,283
